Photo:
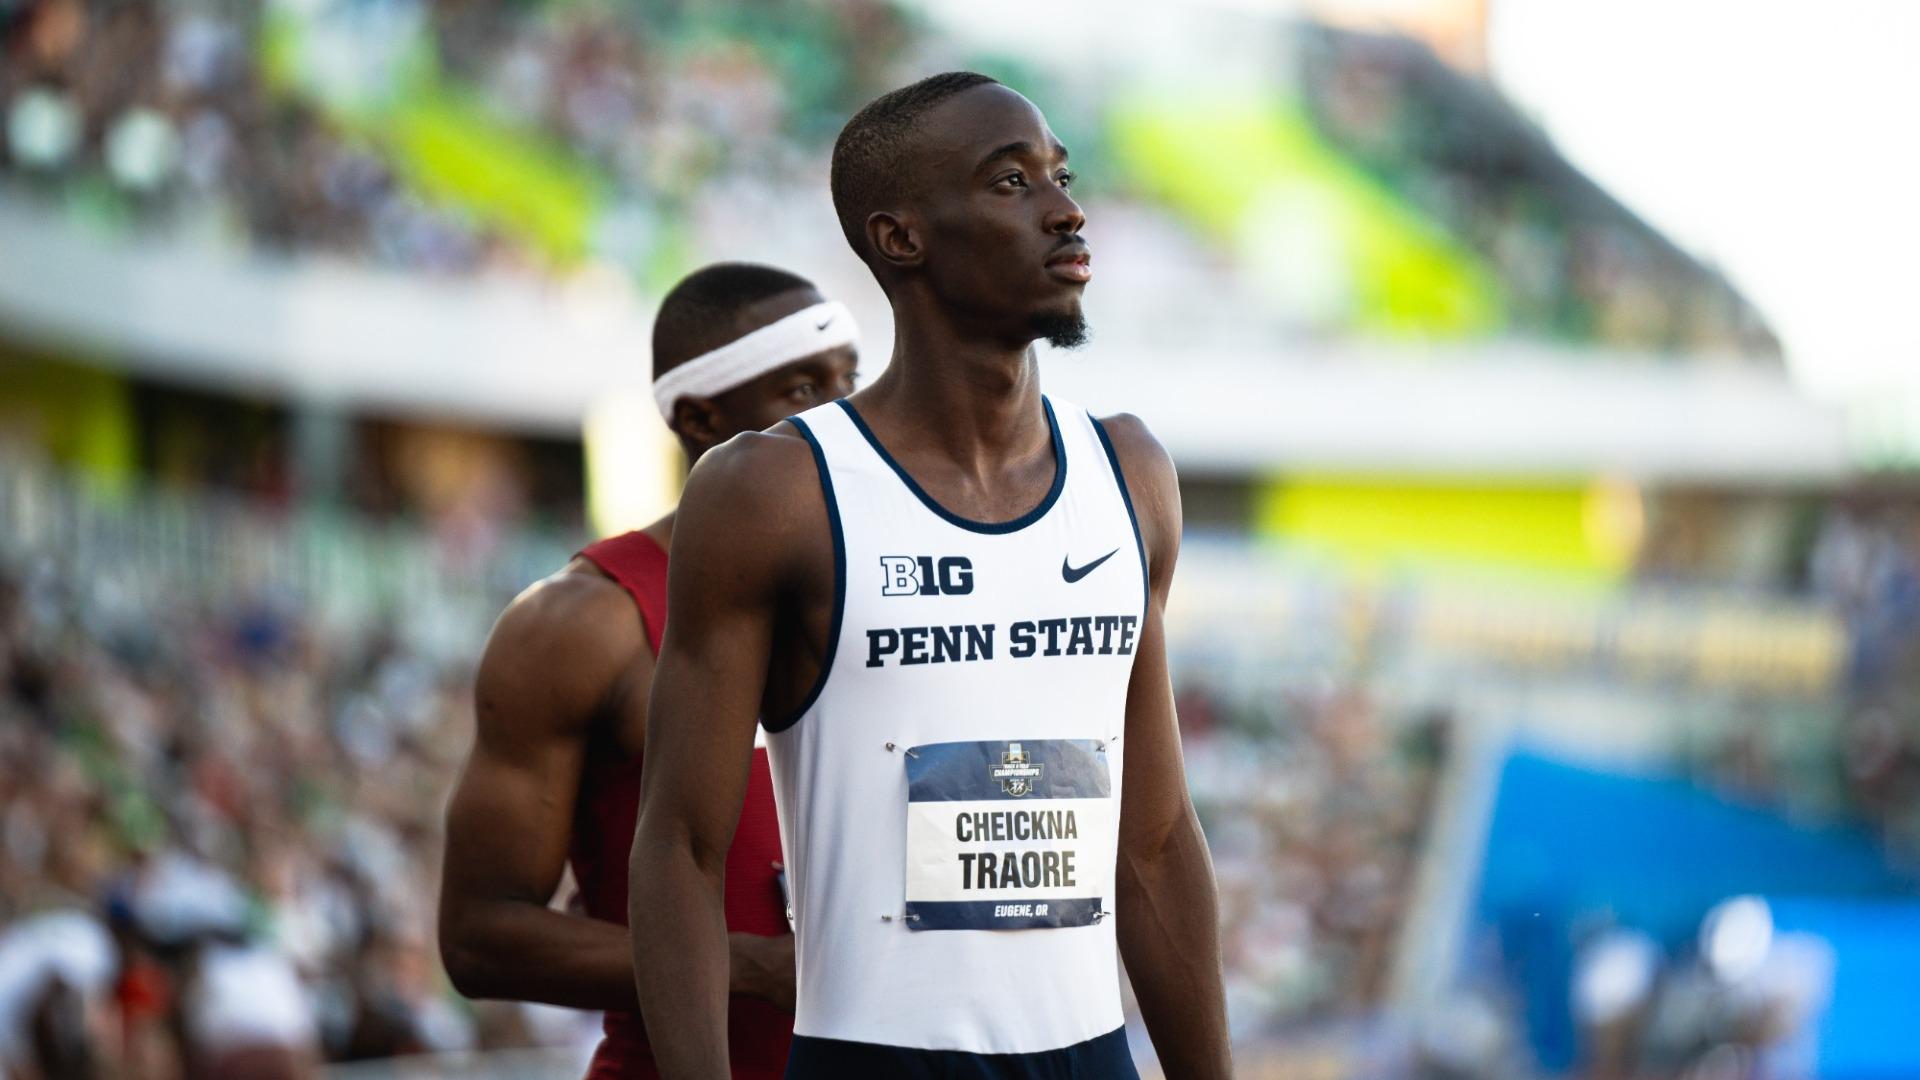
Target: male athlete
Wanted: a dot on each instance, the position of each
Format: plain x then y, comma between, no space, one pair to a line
562,700
942,597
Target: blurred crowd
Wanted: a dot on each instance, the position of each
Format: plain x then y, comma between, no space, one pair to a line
218,841
1573,263
1864,563
1735,1003
535,139
139,110
1316,808
271,125
1317,805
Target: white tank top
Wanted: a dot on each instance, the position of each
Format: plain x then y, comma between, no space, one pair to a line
949,793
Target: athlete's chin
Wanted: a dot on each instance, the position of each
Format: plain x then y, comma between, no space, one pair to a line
1063,329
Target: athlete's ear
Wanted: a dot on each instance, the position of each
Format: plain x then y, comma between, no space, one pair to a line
697,422
894,238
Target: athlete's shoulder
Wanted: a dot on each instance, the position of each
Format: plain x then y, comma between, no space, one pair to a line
564,641
579,599
753,518
1153,486
754,473
1141,455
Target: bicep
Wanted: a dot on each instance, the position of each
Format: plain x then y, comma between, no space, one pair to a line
510,820
706,690
723,587
1155,777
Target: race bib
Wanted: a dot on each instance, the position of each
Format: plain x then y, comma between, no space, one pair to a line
1008,835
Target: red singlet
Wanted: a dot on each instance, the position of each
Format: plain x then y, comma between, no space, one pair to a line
758,1031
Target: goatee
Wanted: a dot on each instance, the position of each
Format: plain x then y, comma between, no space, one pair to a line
1063,330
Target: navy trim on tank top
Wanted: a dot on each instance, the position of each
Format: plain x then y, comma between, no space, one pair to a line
1021,522
1120,477
839,581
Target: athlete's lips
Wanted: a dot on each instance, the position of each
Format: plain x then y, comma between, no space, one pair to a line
1072,263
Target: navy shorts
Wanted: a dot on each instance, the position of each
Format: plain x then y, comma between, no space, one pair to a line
1101,1058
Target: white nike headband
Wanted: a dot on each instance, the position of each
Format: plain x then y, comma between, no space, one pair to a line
823,326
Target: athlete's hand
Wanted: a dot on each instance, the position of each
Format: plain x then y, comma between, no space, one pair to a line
762,967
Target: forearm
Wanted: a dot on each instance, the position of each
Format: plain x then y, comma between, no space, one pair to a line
680,957
1169,933
529,952
525,952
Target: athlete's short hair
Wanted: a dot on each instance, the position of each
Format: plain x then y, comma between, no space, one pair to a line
869,163
699,315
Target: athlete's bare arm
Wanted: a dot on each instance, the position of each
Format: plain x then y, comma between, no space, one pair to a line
549,670
1166,904
751,536
568,654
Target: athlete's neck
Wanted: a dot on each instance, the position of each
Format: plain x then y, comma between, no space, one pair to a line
661,532
970,398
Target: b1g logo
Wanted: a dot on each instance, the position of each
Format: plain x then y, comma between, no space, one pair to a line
923,575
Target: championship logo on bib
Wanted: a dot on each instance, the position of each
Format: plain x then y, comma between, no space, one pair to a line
1008,835
1016,772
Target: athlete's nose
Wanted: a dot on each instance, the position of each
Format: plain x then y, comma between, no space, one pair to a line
1065,218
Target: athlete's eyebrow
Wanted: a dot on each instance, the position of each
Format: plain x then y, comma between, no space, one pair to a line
1014,149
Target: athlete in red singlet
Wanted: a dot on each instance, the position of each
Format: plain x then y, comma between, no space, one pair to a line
561,696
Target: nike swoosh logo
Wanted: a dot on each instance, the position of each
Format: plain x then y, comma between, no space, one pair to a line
826,324
1075,573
